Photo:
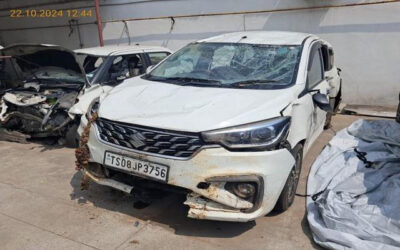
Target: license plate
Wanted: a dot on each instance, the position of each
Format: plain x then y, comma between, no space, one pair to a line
135,166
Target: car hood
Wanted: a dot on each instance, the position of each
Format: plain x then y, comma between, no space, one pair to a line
27,58
191,109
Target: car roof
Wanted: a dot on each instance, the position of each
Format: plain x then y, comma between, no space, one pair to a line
261,37
120,50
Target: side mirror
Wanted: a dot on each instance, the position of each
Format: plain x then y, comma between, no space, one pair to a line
149,69
322,102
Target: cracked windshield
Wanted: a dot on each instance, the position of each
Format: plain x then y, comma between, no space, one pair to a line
230,65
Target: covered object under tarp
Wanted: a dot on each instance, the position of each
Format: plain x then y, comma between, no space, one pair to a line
356,187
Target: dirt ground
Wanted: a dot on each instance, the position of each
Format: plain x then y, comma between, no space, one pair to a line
42,207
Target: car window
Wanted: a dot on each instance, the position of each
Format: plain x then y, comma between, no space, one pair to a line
327,57
126,66
315,73
90,64
331,58
156,57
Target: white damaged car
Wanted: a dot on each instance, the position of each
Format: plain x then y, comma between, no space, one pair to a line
108,66
226,120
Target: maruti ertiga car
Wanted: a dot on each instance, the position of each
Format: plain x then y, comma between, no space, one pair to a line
225,120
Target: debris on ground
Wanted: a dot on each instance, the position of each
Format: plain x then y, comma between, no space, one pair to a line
134,242
13,136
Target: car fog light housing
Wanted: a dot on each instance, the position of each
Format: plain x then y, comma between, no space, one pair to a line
244,190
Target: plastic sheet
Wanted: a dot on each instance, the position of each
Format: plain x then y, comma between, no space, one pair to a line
359,174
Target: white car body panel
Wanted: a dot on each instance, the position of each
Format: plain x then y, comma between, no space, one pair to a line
118,50
334,82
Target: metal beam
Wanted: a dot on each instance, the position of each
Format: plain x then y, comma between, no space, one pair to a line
99,26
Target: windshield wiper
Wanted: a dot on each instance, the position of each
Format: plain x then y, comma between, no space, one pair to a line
253,82
191,79
186,80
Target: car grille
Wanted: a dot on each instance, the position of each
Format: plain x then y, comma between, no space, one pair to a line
149,140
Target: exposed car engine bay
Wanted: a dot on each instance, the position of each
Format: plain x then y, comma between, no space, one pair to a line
43,113
39,84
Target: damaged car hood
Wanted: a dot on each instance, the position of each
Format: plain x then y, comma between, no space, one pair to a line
30,61
188,108
38,85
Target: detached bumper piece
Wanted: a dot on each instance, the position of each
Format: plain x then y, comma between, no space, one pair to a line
205,209
108,182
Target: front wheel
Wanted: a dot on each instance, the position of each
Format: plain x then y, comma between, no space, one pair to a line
289,190
72,136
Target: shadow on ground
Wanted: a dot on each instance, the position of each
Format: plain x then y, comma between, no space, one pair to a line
307,231
168,211
46,144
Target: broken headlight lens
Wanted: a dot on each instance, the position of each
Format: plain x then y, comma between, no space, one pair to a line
259,135
93,108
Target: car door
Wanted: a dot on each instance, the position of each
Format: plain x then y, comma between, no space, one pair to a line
316,83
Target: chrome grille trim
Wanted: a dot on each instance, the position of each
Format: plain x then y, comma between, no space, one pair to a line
151,141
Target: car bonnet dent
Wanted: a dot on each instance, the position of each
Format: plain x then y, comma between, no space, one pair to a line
57,56
155,104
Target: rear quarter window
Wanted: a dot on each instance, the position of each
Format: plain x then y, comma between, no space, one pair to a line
156,57
315,72
327,57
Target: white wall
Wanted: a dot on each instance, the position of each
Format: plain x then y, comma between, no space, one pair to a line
366,38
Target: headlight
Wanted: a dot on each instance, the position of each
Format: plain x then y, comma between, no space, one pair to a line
93,108
258,135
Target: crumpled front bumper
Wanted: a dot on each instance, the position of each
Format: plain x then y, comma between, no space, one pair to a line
215,166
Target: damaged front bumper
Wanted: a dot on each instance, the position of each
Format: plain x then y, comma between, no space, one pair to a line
205,176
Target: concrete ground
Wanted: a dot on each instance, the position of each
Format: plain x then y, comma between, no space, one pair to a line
42,207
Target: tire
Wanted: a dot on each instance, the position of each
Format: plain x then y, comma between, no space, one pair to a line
329,115
72,136
398,111
286,198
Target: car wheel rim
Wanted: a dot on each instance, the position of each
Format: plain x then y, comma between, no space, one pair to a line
294,179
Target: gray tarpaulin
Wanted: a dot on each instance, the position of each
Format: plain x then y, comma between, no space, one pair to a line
359,174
